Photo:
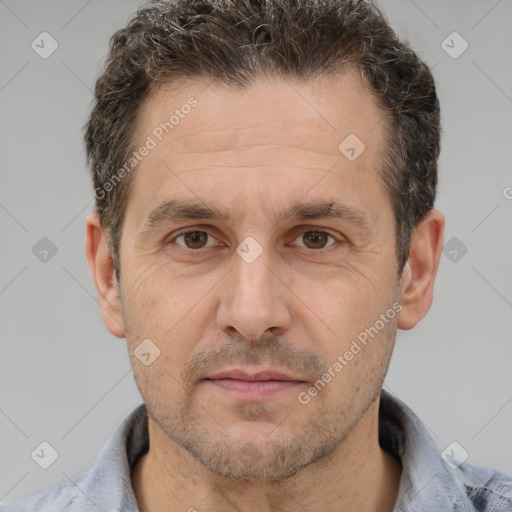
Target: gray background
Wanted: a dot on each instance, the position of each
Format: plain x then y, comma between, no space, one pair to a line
66,380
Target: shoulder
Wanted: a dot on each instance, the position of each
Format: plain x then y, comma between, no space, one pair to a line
106,486
429,481
488,489
62,496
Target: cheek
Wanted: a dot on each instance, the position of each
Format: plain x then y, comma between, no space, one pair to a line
172,312
347,300
153,294
357,343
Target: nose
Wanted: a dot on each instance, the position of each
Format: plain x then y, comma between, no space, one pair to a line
254,300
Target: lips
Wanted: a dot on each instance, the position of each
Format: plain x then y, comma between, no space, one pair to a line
239,374
253,385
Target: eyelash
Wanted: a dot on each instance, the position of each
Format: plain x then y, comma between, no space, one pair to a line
302,232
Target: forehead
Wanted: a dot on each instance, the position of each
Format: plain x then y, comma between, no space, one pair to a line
288,132
322,112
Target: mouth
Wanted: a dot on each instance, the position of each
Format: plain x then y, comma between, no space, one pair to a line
253,385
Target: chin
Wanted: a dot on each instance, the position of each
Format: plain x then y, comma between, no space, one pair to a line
258,457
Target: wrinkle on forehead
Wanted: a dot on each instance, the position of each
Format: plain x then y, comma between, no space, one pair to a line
314,115
279,134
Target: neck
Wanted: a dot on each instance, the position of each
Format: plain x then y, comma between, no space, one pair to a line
358,475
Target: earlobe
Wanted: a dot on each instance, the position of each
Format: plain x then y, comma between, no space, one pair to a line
417,282
102,270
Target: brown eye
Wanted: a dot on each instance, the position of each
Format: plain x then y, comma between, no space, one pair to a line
193,239
315,239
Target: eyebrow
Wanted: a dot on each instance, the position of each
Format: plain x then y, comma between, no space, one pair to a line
175,210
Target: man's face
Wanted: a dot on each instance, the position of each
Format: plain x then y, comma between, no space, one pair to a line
276,290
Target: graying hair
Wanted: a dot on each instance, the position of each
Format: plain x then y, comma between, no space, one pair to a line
235,42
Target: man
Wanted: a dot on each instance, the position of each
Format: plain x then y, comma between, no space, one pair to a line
265,176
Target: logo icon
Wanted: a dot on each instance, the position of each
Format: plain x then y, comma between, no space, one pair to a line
44,455
44,45
454,454
454,45
146,352
249,250
44,250
455,249
352,147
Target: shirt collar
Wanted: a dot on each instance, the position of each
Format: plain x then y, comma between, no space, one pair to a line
427,483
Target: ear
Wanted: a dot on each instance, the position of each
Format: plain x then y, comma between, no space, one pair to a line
417,282
102,270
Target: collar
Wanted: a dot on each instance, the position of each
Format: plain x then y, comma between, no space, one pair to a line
428,484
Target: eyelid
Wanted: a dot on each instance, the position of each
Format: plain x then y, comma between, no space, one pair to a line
309,229
299,231
189,229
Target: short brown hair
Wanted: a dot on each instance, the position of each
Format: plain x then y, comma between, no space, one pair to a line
236,41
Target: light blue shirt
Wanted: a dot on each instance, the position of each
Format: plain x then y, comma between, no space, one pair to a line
429,483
